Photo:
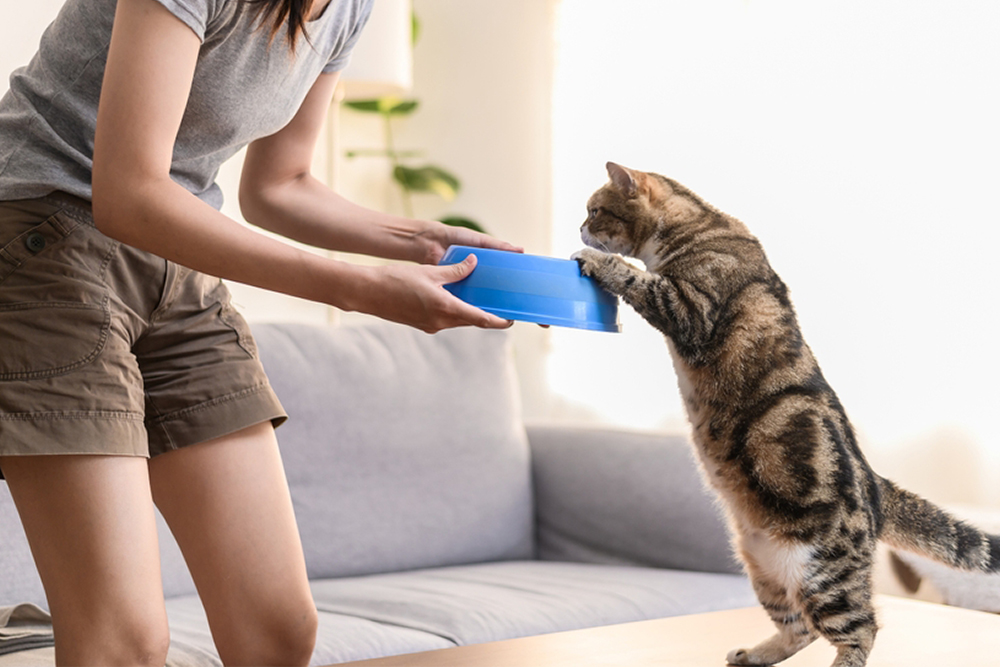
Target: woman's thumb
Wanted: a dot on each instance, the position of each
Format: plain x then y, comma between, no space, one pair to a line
455,272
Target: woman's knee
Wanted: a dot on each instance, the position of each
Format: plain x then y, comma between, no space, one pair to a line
297,638
286,638
125,642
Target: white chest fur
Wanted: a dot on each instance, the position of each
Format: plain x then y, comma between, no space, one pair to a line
782,562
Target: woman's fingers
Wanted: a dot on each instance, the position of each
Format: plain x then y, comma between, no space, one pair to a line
452,273
415,295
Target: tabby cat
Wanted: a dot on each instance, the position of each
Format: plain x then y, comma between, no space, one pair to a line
803,505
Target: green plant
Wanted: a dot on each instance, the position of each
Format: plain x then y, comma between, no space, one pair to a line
425,178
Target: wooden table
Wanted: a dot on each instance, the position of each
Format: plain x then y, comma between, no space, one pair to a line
913,634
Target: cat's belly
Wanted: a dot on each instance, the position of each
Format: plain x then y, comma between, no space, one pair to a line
711,453
782,562
698,415
683,372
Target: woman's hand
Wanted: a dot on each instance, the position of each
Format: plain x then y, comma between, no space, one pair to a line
415,295
438,237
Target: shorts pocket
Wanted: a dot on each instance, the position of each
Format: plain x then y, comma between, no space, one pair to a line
43,339
36,240
231,317
219,293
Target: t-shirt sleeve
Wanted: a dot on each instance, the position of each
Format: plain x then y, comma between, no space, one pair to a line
342,57
195,14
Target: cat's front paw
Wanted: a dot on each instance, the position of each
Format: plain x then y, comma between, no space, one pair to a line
610,271
591,261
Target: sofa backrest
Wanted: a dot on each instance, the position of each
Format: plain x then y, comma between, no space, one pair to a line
19,580
403,450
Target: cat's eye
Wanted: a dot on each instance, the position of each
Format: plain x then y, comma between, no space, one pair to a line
592,213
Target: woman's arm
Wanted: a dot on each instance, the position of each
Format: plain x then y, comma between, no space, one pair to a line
148,77
278,193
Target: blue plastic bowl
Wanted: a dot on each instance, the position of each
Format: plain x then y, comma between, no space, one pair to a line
533,288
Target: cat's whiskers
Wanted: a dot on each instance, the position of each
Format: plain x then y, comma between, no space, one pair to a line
599,245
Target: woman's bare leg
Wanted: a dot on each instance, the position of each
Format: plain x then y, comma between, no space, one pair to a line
92,531
227,503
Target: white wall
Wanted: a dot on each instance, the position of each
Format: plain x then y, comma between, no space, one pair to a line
21,26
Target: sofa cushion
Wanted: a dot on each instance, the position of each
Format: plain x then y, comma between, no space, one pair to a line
626,498
339,638
494,601
19,581
403,450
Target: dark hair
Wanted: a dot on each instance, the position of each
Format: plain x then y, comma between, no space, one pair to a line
290,14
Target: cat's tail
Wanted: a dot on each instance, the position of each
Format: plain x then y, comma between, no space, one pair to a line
914,524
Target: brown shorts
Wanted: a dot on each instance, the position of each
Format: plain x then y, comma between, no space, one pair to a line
105,349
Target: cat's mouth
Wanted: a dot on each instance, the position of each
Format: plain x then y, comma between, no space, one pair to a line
592,241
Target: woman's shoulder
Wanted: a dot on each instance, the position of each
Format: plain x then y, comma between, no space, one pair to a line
202,15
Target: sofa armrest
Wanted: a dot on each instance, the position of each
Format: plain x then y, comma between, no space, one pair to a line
615,496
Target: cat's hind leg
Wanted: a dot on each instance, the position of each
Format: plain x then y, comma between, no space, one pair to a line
794,631
843,613
777,569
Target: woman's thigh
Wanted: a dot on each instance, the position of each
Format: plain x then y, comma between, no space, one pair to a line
228,505
91,526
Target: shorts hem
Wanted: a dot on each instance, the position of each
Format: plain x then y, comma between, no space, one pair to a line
215,418
81,433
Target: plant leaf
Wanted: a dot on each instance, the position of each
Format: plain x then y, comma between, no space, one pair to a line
403,108
414,28
427,179
459,221
390,105
364,106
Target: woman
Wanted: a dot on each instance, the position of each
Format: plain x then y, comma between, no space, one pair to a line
117,343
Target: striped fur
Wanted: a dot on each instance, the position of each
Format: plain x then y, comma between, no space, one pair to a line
804,507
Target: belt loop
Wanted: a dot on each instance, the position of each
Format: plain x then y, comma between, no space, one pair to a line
72,206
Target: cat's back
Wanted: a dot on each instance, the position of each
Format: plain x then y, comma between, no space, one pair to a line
749,338
772,435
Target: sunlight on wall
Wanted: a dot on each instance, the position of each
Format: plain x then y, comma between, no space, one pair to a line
858,141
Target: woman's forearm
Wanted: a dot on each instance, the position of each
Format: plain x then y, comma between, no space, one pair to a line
160,216
306,210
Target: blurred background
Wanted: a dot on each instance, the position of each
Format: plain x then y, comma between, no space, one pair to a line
857,139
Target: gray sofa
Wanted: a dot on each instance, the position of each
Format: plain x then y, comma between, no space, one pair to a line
432,517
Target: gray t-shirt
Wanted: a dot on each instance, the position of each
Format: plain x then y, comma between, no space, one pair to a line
242,90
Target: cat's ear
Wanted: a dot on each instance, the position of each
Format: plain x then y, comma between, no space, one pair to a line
623,179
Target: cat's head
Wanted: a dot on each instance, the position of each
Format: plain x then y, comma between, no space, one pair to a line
635,210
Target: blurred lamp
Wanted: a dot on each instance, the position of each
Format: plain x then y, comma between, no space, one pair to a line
382,61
